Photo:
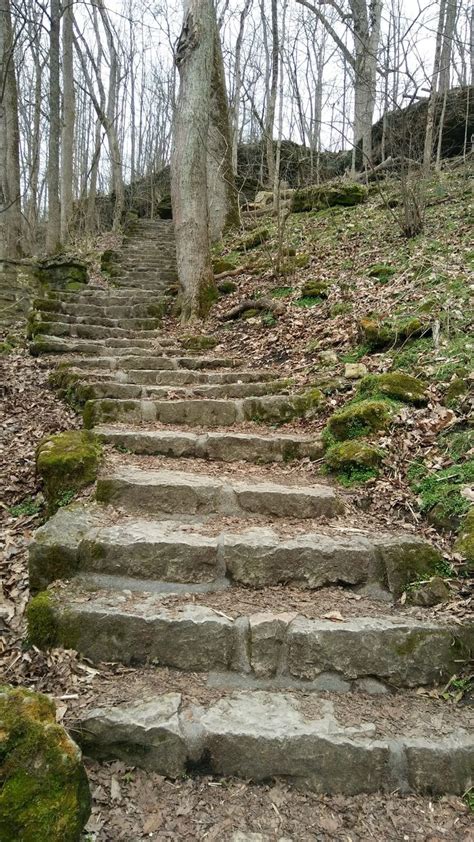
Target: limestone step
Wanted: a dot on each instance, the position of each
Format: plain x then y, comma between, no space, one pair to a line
188,377
263,735
92,321
182,633
98,389
72,308
225,447
45,344
202,412
180,492
132,359
89,330
80,539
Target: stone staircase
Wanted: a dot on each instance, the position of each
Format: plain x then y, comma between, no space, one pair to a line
203,560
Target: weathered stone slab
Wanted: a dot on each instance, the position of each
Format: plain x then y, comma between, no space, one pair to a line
259,735
147,735
189,637
401,652
53,553
188,493
150,550
226,447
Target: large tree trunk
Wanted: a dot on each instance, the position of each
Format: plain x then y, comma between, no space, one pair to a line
271,104
69,110
221,190
194,59
10,190
430,117
53,232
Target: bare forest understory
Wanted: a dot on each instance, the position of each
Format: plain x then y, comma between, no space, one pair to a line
338,267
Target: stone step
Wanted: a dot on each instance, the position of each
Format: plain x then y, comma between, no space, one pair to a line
135,628
132,359
190,378
90,321
101,311
75,540
98,389
202,412
225,447
93,331
180,492
110,295
123,348
261,735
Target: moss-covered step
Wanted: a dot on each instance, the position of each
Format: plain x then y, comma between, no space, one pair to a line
260,735
96,389
79,539
67,462
125,323
359,418
396,385
317,196
348,457
204,412
90,331
399,651
44,791
155,377
224,447
179,492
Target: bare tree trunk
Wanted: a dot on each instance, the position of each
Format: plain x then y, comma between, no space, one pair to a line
431,112
445,70
69,113
53,232
194,59
10,189
238,84
221,190
271,105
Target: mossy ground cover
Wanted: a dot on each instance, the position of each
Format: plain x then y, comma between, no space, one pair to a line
67,462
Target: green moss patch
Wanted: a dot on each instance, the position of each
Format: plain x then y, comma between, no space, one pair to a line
395,385
439,493
359,418
282,410
41,620
66,463
221,264
44,791
226,287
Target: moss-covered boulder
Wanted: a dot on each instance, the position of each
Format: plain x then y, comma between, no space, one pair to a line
352,455
456,391
226,287
254,239
360,418
221,265
381,271
62,272
379,334
279,409
109,263
67,462
395,385
44,791
315,289
198,342
465,543
164,209
320,196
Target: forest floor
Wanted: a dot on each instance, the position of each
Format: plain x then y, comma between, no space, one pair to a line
431,274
